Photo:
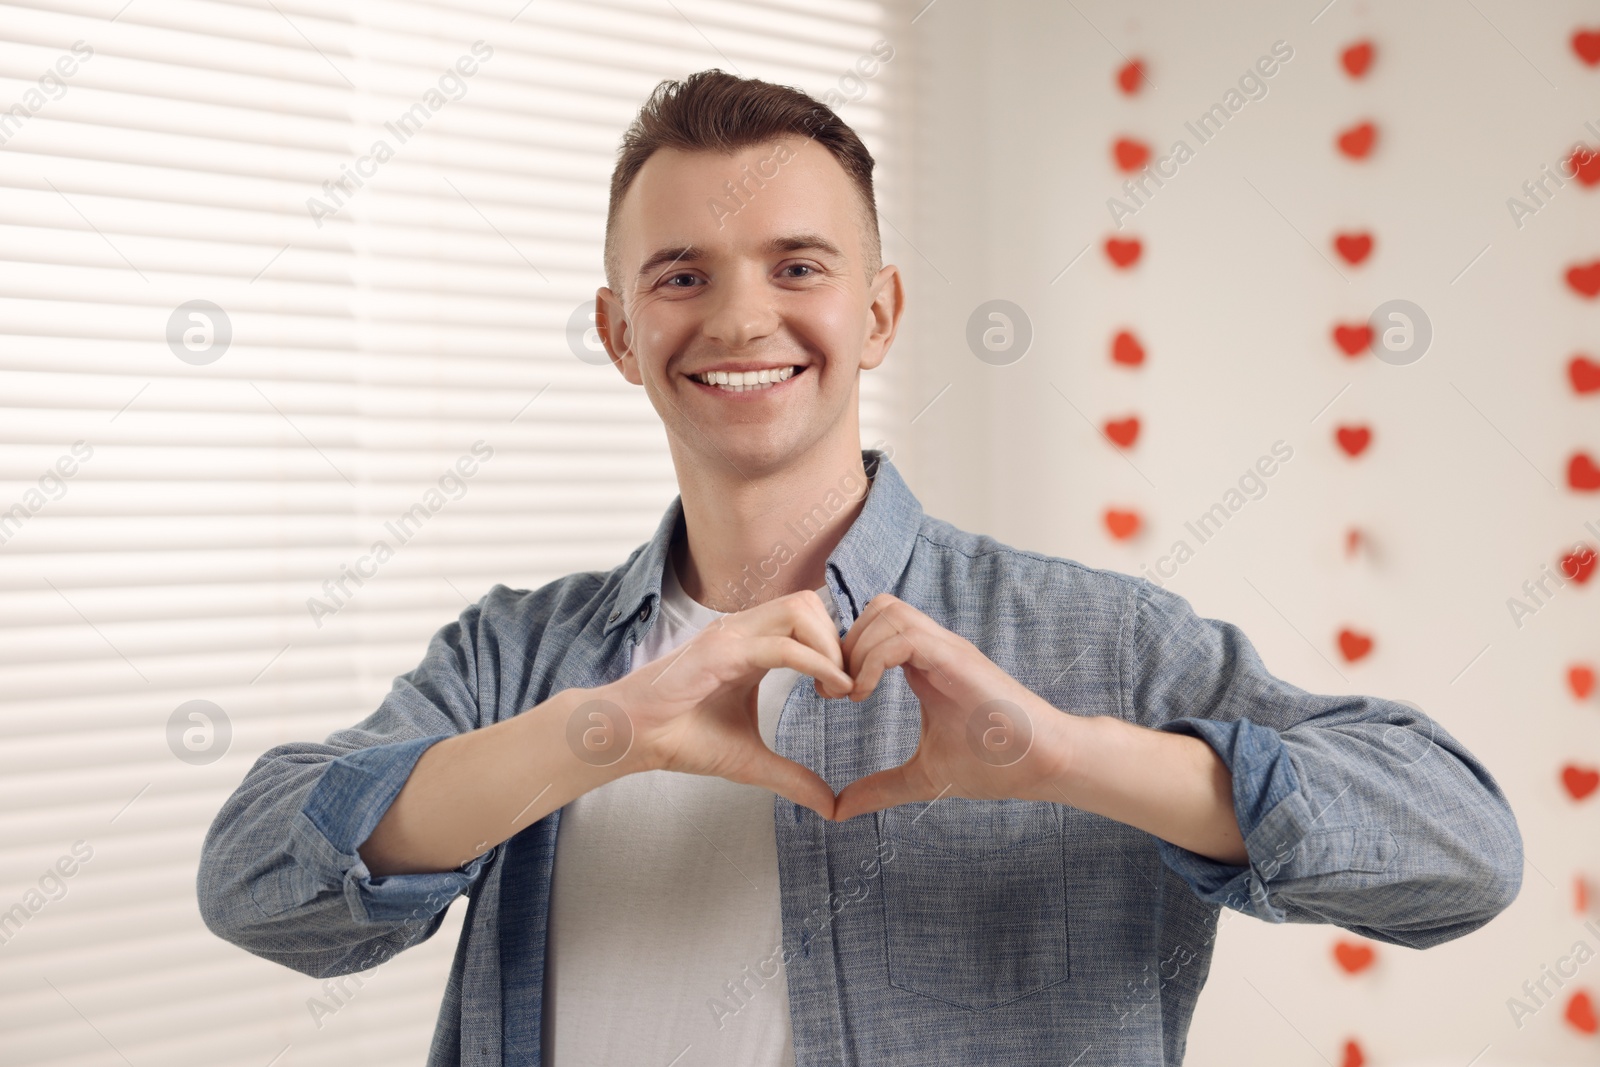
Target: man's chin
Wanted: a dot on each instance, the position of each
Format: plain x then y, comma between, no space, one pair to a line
755,450
760,450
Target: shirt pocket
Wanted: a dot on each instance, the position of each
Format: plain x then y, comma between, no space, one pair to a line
974,900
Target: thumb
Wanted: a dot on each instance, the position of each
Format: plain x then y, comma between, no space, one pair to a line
885,789
788,779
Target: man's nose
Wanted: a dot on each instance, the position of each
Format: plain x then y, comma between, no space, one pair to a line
740,308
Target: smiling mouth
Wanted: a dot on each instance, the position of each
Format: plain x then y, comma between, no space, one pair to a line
739,382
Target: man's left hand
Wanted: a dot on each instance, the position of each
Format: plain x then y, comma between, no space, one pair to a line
985,736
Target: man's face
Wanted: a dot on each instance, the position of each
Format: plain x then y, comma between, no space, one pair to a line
774,284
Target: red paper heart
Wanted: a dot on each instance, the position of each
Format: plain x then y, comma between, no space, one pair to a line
1353,1056
1123,253
1354,247
1578,564
1587,44
1353,339
1580,677
1584,165
1357,58
1130,154
1582,474
1353,646
1122,524
1357,141
1353,539
1354,439
1580,1012
1585,279
1131,76
1353,956
1585,375
1580,894
1126,349
1580,781
1123,431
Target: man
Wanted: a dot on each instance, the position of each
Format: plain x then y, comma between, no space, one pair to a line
1012,792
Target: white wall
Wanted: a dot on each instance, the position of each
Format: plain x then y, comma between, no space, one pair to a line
1463,492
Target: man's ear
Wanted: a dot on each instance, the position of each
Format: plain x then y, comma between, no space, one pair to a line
883,315
611,323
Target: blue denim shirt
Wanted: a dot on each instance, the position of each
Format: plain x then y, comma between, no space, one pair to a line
957,932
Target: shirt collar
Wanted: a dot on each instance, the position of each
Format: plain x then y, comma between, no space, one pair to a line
868,560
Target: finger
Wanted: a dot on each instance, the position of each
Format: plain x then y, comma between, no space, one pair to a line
798,615
773,652
888,615
875,623
899,635
870,661
788,779
817,628
869,614
885,789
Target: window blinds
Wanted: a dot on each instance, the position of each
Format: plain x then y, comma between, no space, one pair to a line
240,345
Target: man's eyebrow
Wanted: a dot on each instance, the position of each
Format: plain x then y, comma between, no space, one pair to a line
789,242
796,242
669,255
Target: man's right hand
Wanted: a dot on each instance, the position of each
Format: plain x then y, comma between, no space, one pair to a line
694,709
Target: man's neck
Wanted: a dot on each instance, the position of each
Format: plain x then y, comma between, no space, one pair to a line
746,540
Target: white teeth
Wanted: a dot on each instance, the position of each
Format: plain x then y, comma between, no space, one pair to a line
739,381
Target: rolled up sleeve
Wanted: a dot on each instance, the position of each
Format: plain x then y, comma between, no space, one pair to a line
280,873
342,810
1356,811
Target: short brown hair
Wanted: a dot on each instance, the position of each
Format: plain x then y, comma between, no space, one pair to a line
713,111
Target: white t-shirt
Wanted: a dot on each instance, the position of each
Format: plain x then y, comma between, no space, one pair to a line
665,931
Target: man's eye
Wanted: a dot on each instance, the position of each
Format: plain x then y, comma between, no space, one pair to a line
674,277
800,266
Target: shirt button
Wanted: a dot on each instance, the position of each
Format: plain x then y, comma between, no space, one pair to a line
644,612
613,617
